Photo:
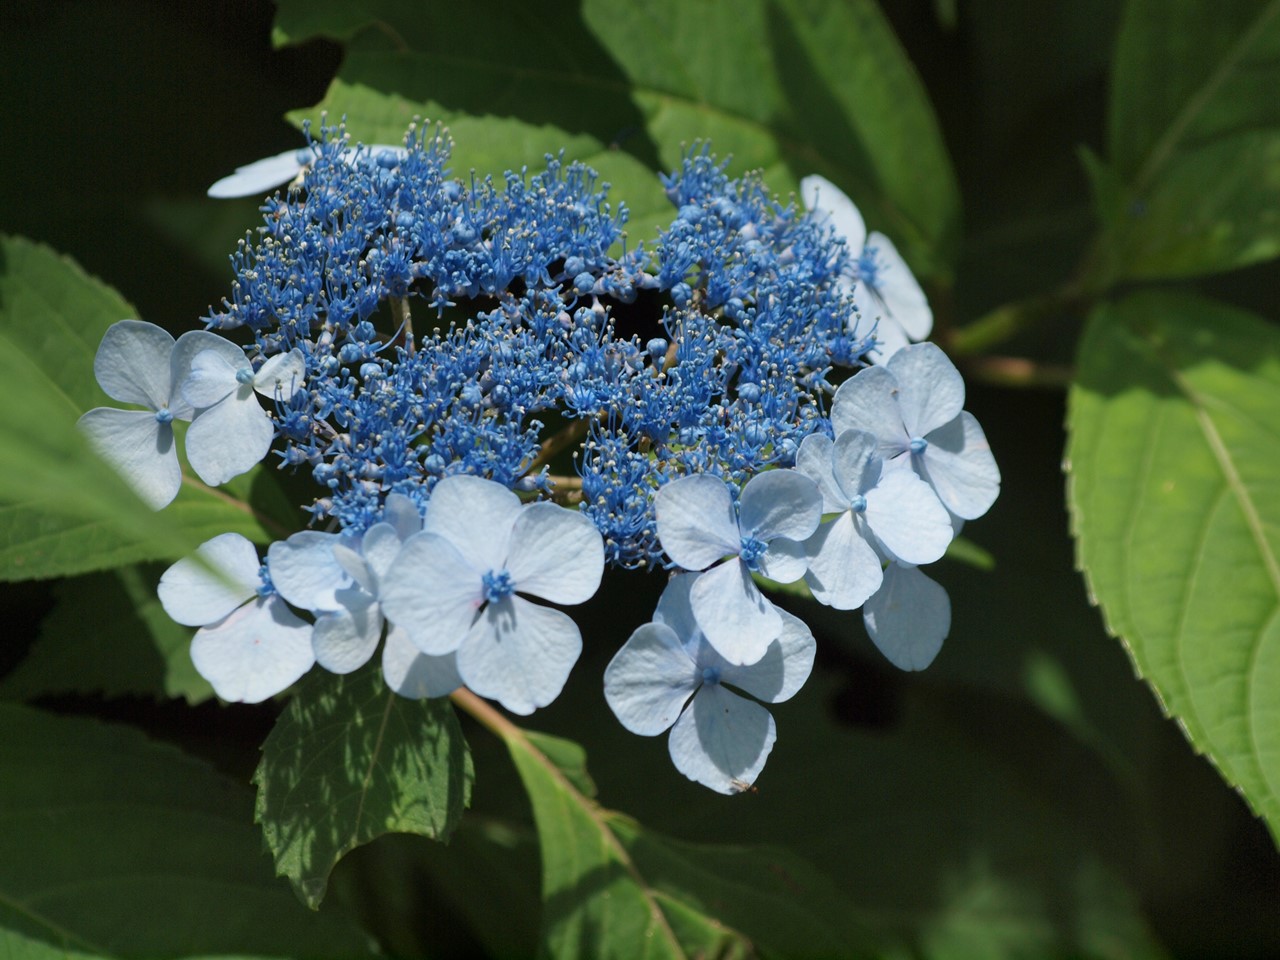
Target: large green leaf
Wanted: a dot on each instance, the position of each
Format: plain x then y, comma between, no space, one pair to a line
1173,453
1195,137
129,645
111,844
608,884
348,761
791,86
62,510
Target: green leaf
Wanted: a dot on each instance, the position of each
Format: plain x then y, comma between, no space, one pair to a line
129,645
608,884
1173,450
111,844
1195,136
829,90
348,761
62,510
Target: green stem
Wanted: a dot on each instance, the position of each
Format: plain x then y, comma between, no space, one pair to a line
1006,321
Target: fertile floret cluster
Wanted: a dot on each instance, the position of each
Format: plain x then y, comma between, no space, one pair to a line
497,397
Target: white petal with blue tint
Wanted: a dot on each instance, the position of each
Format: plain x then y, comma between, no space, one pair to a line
899,291
256,652
908,618
783,669
931,390
519,654
856,463
431,592
868,401
140,448
211,377
476,517
813,459
696,522
193,594
734,615
257,178
343,640
305,571
132,363
780,503
959,465
379,548
229,438
556,554
785,561
194,342
827,200
649,680
722,740
402,513
281,375
843,568
411,673
908,518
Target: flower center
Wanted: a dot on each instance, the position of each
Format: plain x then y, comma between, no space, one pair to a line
497,585
751,551
918,445
163,415
858,504
244,376
710,676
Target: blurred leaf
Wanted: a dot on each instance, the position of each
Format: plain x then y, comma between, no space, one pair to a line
348,761
1195,136
62,510
830,92
608,885
1173,452
111,844
129,645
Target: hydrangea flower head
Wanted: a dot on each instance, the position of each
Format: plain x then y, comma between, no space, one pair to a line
883,285
668,676
699,525
456,587
133,365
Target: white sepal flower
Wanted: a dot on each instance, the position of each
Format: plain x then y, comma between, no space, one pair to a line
908,618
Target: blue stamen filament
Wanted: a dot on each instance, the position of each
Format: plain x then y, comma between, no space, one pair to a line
497,585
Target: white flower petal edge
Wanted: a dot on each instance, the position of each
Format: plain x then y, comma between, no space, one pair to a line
255,179
908,618
826,199
722,740
476,517
780,503
413,674
844,570
306,572
556,554
256,652
649,680
140,448
696,521
132,364
736,618
229,438
195,594
783,669
344,640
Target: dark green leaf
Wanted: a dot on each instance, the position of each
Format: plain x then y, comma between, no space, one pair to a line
111,844
1173,451
348,761
1195,136
128,646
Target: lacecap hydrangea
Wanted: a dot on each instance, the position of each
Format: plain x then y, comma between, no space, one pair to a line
497,395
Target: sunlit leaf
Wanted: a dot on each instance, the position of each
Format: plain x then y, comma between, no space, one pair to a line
1175,503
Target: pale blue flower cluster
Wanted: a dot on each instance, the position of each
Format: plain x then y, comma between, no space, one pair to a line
498,397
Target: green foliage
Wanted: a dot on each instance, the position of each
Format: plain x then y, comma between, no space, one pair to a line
348,761
116,846
1173,448
62,510
1194,138
129,645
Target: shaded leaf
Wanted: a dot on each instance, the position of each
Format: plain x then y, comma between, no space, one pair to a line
128,646
348,761
1195,137
103,832
1174,500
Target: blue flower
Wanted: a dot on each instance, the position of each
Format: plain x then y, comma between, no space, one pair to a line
699,525
881,282
249,651
133,365
668,675
454,587
913,406
908,618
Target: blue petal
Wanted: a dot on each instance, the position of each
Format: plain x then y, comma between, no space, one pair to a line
831,204
254,653
649,680
722,740
432,593
132,363
780,503
868,401
856,462
229,438
813,459
932,390
907,518
190,345
140,449
843,568
904,301
959,464
305,571
402,513
211,377
734,615
195,595
908,618
255,179
344,640
281,376
519,654
556,554
696,523
476,516
783,669
785,561
412,673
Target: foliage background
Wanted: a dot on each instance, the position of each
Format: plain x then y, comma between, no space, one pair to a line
1023,797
